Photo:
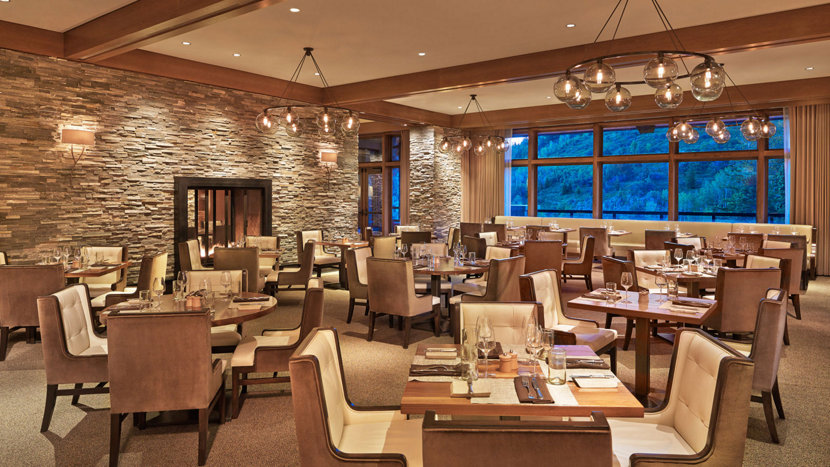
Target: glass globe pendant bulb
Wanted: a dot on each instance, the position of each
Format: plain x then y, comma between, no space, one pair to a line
459,148
500,144
683,130
565,87
767,129
669,96
289,117
707,95
708,80
714,127
295,128
581,99
673,135
599,77
350,125
480,148
618,99
692,136
751,129
445,145
488,142
660,71
325,122
466,143
266,124
723,137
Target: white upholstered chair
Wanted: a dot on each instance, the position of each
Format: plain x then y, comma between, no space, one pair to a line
697,242
507,318
3,259
703,418
334,430
109,282
152,267
322,258
478,284
222,338
490,238
642,259
190,256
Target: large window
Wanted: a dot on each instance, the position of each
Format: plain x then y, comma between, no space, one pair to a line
381,159
517,146
518,191
565,191
777,140
717,191
566,144
635,191
775,191
645,139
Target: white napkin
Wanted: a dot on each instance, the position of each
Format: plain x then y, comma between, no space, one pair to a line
586,382
441,353
682,309
479,386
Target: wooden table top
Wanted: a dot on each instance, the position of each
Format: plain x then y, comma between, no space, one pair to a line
452,270
420,396
618,233
97,271
270,253
344,243
680,275
223,315
646,306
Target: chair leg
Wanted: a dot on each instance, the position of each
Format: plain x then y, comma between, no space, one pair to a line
613,354
4,342
407,325
51,396
203,429
796,298
76,397
31,333
776,397
351,311
234,393
608,317
115,438
366,308
436,320
786,330
766,399
629,326
588,283
222,404
371,326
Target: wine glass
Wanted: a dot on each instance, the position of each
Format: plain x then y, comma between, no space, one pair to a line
225,281
678,255
533,341
182,277
485,338
57,254
404,249
626,280
660,281
158,290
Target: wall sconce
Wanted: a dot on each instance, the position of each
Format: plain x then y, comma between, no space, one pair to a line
329,161
75,136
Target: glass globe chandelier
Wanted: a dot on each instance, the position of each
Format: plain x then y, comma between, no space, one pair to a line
300,119
461,144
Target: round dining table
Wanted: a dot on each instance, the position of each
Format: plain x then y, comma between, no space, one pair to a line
479,267
225,311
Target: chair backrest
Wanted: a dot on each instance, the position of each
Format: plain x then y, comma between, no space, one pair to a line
410,237
159,361
671,246
502,280
76,319
612,269
761,262
490,238
239,258
707,397
3,259
776,244
554,236
800,241
498,252
768,339
475,244
267,243
754,241
542,254
602,246
383,247
190,257
533,231
499,229
586,252
470,229
110,255
696,242
214,278
356,266
796,256
436,248
305,236
507,318
655,238
641,259
545,287
20,286
391,286
453,237
488,442
312,316
738,292
152,267
406,228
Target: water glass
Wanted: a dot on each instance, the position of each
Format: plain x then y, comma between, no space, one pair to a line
610,293
626,280
178,290
557,367
660,281
472,256
672,289
144,299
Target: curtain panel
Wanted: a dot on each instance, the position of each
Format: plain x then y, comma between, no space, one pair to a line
482,186
809,170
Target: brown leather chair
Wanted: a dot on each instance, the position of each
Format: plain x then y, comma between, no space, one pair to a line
474,442
19,288
470,229
500,229
245,259
151,268
190,257
582,266
108,282
475,245
269,352
300,276
544,287
754,241
656,238
322,258
612,269
602,243
384,247
265,243
333,430
477,285
160,362
392,292
703,418
4,259
72,351
799,241
792,282
553,236
738,292
765,352
358,285
671,246
453,237
408,238
502,286
541,254
532,231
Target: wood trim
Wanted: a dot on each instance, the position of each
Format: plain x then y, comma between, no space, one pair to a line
774,29
372,128
30,40
401,113
596,201
148,21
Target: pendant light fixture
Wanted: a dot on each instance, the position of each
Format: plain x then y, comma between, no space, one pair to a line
482,143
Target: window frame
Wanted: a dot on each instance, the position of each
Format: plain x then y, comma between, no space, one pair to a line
386,165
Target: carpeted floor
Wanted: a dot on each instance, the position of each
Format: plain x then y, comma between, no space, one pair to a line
376,372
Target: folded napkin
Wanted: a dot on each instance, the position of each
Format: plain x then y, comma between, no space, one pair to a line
250,299
493,354
441,353
481,388
525,393
247,306
589,382
595,364
693,303
436,370
125,306
681,308
599,294
102,265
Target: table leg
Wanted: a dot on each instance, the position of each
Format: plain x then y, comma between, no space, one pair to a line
344,278
642,364
693,289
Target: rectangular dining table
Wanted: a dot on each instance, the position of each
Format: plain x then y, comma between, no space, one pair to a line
420,396
693,281
643,309
96,271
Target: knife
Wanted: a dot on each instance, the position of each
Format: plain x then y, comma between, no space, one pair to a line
527,388
536,387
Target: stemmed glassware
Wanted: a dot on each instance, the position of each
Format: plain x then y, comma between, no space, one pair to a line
158,291
485,338
404,249
56,254
660,281
678,255
626,281
533,341
182,279
225,281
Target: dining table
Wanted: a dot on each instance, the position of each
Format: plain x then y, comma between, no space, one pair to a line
344,244
96,270
447,268
425,392
693,281
643,309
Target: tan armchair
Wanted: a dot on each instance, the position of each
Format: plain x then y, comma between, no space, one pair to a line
553,236
190,256
475,245
3,258
583,266
470,229
334,430
20,286
544,287
738,293
499,229
542,254
453,237
477,285
358,283
322,258
225,338
246,259
384,247
160,362
695,242
269,352
152,267
655,238
406,228
502,286
300,276
703,418
490,238
392,292
612,269
507,318
72,352
602,243
463,443
265,243
792,283
113,281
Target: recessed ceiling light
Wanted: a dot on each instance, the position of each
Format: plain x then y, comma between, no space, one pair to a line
237,54
421,54
185,43
294,10
460,107
810,68
547,97
5,1
570,25
316,74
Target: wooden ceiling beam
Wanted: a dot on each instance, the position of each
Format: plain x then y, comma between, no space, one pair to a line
390,112
31,40
770,30
761,96
147,21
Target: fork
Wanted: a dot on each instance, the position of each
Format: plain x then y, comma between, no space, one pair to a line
527,388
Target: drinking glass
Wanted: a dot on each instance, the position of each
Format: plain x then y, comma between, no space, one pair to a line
404,249
143,299
548,340
485,338
610,293
533,342
182,276
472,257
225,281
557,364
158,291
678,255
671,289
57,254
178,290
626,280
660,281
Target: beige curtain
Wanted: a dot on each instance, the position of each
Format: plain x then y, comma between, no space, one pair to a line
809,164
482,186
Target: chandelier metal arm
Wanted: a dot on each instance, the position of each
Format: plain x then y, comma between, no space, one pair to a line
622,13
576,66
608,20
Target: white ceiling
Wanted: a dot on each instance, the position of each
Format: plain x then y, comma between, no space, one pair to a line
57,15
